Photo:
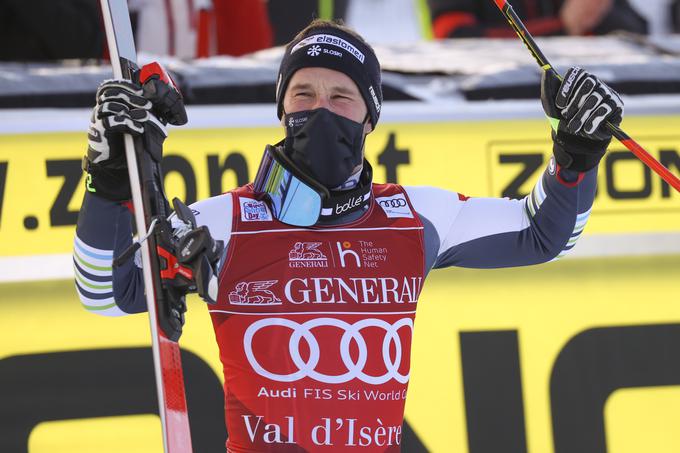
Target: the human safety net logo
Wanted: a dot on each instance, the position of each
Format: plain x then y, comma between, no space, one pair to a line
330,350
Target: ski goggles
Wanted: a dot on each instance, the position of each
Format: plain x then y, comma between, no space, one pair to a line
296,199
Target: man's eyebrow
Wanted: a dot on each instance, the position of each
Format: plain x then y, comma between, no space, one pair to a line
302,86
345,90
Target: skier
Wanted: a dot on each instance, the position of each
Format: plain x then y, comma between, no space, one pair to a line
316,348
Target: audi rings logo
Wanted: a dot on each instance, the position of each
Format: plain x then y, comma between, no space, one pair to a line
351,333
392,203
395,206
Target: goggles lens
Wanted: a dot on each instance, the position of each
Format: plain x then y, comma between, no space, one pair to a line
293,202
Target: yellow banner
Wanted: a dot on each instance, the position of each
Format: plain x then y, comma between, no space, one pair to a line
551,358
41,185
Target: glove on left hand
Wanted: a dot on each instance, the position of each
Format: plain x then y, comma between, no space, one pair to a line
121,109
125,107
578,108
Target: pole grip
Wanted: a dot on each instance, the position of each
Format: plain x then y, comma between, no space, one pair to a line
634,147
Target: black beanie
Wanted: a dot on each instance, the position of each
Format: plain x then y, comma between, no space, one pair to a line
333,48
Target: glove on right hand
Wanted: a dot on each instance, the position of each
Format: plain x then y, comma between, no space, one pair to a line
578,108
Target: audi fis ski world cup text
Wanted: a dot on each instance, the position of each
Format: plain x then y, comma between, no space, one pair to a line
333,394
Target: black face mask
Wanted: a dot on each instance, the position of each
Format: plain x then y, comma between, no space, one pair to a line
324,145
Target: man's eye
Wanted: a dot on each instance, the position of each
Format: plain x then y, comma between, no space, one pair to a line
302,94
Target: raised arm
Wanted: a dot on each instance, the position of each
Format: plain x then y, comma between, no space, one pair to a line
499,232
494,232
104,224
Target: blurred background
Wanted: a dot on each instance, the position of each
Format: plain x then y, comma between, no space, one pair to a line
581,354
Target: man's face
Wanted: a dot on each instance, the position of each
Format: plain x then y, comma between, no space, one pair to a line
313,88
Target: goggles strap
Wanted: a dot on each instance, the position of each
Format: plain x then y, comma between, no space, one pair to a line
342,202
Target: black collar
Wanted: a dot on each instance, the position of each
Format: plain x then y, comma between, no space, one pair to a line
343,202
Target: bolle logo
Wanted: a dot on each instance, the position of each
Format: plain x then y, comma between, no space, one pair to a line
254,293
350,204
307,254
394,349
314,51
344,249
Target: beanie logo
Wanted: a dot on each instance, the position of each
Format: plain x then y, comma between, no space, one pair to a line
375,98
331,40
278,86
314,51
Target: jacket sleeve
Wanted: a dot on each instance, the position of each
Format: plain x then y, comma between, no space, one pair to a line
104,231
500,232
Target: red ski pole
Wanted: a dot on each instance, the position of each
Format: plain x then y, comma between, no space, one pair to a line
528,40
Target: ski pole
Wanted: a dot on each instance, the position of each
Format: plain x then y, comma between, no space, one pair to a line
528,40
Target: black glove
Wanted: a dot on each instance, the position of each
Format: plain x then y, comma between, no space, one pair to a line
197,250
579,107
125,107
